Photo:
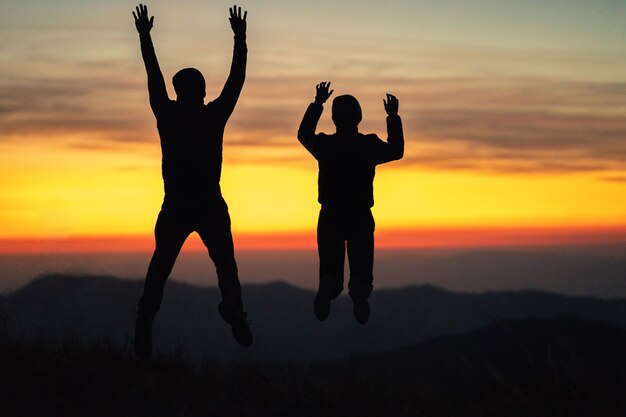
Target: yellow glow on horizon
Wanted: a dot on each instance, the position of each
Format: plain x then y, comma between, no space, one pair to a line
51,190
456,198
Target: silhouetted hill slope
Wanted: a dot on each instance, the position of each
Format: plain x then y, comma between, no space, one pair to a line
96,310
565,350
564,366
559,366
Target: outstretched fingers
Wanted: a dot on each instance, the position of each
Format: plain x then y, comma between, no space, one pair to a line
327,87
321,91
143,23
390,104
235,13
390,98
142,12
237,22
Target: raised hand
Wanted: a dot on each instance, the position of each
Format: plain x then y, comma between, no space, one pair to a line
142,23
321,92
391,105
237,23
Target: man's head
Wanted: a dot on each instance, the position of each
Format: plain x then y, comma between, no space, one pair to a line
189,85
346,112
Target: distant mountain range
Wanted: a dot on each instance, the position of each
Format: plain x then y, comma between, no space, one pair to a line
100,310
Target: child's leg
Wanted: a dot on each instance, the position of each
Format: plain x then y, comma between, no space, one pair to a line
361,255
331,251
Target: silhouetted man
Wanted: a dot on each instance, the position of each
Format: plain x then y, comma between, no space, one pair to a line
191,134
347,161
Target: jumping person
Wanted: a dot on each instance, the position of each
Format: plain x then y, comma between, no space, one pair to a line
191,135
347,161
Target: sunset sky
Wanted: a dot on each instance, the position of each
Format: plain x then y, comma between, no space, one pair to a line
514,115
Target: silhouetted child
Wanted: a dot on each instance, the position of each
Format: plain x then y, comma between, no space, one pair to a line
347,162
191,134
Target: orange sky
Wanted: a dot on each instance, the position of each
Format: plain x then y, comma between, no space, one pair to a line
494,237
511,140
78,194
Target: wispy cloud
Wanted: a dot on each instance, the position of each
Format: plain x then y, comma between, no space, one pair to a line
507,125
464,108
614,178
520,125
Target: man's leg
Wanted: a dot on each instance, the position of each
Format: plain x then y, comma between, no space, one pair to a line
331,251
361,259
214,230
170,234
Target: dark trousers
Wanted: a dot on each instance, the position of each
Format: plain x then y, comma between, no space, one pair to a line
338,230
176,221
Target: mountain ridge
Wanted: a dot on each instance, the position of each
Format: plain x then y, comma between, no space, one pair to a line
58,308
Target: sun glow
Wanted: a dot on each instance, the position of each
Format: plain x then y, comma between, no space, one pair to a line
57,192
509,131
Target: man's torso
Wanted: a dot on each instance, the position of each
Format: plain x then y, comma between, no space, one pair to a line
191,144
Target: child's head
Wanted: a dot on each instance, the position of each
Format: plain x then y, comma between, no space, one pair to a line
346,112
189,85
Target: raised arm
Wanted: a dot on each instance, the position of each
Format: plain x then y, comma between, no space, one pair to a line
156,83
306,131
230,93
393,149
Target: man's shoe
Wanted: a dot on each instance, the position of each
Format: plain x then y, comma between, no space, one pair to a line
321,306
143,338
361,310
239,324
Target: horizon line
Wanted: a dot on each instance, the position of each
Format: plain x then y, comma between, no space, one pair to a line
413,238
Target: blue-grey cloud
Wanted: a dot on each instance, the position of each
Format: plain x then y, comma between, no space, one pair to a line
499,124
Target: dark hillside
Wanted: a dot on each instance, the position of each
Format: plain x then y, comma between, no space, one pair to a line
564,366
